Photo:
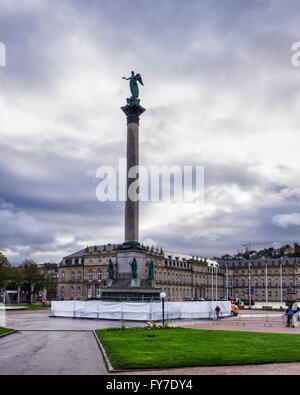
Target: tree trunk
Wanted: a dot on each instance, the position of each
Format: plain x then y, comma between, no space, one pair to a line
31,294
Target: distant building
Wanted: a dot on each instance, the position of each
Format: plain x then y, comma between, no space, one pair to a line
83,275
271,279
50,269
289,251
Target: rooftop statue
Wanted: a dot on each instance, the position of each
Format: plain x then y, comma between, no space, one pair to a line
151,270
134,89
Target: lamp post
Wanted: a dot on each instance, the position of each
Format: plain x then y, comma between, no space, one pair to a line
266,266
212,281
216,283
249,285
163,297
280,284
226,281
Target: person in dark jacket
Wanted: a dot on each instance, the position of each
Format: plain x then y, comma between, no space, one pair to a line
289,313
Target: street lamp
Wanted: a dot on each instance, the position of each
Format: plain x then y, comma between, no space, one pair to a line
163,297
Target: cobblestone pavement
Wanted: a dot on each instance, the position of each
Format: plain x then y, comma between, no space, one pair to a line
69,347
50,353
268,369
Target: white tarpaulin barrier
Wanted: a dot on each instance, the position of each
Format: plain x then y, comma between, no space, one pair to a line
138,311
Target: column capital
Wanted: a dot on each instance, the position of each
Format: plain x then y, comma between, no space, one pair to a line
133,113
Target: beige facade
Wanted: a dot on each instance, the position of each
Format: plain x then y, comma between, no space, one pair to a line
271,280
83,275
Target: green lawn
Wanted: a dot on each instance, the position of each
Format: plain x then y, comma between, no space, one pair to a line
170,348
4,330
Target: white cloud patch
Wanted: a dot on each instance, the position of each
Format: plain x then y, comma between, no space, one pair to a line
285,220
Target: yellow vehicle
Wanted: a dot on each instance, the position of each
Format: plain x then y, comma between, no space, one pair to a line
234,310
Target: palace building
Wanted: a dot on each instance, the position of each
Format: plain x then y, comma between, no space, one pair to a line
267,279
84,274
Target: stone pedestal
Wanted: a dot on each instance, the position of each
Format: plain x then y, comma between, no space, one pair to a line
127,288
109,282
124,269
135,283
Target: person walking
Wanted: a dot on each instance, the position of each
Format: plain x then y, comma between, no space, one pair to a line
289,313
217,311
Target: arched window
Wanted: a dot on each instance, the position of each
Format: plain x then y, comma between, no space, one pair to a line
63,277
62,292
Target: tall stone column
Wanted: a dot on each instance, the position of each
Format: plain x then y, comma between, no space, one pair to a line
133,113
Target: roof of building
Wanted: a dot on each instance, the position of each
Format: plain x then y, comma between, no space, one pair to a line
79,254
259,262
181,256
167,254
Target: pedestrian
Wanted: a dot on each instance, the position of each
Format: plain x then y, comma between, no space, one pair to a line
289,313
217,311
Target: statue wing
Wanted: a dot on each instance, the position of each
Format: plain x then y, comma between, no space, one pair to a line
139,79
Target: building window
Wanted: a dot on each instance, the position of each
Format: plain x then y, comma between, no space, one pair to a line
98,291
89,291
72,292
62,292
63,277
78,291
79,276
99,275
73,276
90,275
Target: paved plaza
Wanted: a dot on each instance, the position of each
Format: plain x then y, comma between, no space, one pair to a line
61,346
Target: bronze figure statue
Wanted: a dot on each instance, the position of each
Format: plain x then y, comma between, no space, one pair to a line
134,89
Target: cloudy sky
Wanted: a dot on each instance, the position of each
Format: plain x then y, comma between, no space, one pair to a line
220,92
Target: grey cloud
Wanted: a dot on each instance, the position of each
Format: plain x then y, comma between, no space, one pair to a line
241,49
